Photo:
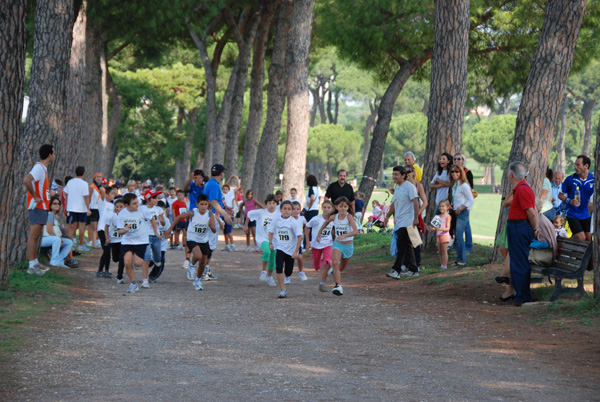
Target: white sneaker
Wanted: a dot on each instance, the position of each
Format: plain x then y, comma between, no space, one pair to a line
185,264
198,284
35,270
263,276
232,247
403,268
98,244
82,248
393,274
226,248
256,248
282,294
248,248
191,271
337,290
133,287
287,280
89,243
180,247
330,272
302,276
145,285
121,281
271,281
409,273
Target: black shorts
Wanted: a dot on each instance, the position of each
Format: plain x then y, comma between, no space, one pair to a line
74,217
251,224
181,225
137,249
94,217
579,225
204,248
284,263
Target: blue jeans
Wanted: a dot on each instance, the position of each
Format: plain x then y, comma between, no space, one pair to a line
59,253
153,250
463,227
519,235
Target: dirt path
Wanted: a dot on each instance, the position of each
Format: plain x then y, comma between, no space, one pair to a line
235,340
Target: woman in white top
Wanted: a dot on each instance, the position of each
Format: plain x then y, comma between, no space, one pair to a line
462,201
441,179
546,196
313,197
53,236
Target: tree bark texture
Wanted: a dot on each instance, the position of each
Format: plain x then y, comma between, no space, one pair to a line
237,102
294,165
561,159
368,130
543,92
116,112
47,88
384,117
266,162
588,107
256,92
13,47
448,89
224,114
596,226
192,119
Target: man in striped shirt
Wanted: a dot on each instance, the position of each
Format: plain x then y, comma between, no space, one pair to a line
38,204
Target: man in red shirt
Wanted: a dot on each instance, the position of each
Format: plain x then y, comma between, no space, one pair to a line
38,204
521,228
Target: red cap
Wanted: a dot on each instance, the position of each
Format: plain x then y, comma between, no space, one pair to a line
151,193
105,182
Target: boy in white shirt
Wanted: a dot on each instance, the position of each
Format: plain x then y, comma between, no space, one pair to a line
113,238
157,269
77,200
263,218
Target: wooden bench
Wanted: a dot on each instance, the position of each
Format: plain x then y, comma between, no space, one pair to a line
573,257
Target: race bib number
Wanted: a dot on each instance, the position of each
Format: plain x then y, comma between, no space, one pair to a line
115,235
200,229
326,232
437,222
284,234
135,224
340,231
182,211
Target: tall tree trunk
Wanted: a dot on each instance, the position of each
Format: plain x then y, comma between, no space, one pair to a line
368,130
13,48
264,179
96,122
192,119
543,92
237,102
329,114
47,101
322,106
116,112
588,106
560,163
448,88
384,116
596,225
294,165
224,115
256,92
337,107
315,107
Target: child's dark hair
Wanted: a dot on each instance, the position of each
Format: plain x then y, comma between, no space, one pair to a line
345,200
271,197
296,204
172,188
202,197
248,192
161,204
119,200
79,171
225,185
448,166
127,198
180,191
286,202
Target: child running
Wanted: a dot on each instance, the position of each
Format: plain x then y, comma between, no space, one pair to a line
263,218
105,208
285,236
443,232
201,221
113,238
132,225
321,249
297,208
157,269
343,247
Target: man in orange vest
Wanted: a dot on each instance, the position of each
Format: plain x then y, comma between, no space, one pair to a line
38,204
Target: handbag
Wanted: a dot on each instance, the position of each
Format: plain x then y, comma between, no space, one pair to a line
474,192
414,236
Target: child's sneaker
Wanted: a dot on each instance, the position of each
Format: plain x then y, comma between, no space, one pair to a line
208,275
99,274
198,284
271,281
330,272
107,274
256,248
323,287
287,280
121,281
282,294
191,271
185,264
337,290
35,270
133,287
409,273
145,285
232,247
248,248
302,276
263,276
180,247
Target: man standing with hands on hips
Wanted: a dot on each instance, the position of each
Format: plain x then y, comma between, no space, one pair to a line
522,227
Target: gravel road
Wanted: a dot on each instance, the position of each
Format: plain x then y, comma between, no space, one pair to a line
236,341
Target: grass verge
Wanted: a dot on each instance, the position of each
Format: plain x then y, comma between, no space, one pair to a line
24,300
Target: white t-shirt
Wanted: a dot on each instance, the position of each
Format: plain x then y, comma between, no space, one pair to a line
170,202
155,212
442,192
285,234
39,181
164,244
198,229
228,199
315,206
342,226
76,190
139,221
404,210
263,219
104,209
112,220
326,238
94,198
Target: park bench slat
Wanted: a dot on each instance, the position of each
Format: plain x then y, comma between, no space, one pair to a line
572,253
566,267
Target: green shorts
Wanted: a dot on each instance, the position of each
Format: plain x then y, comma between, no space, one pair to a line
268,255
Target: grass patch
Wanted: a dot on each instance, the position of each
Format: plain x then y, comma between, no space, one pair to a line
567,310
26,298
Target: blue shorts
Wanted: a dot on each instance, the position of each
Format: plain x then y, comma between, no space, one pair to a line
74,217
346,249
228,229
252,224
181,225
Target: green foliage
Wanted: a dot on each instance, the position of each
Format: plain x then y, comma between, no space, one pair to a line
333,144
490,141
407,132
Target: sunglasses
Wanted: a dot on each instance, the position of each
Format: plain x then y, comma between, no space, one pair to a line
458,159
455,171
55,203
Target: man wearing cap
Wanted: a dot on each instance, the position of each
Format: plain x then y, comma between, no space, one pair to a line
213,191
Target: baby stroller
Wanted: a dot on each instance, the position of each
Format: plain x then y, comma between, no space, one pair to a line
379,223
